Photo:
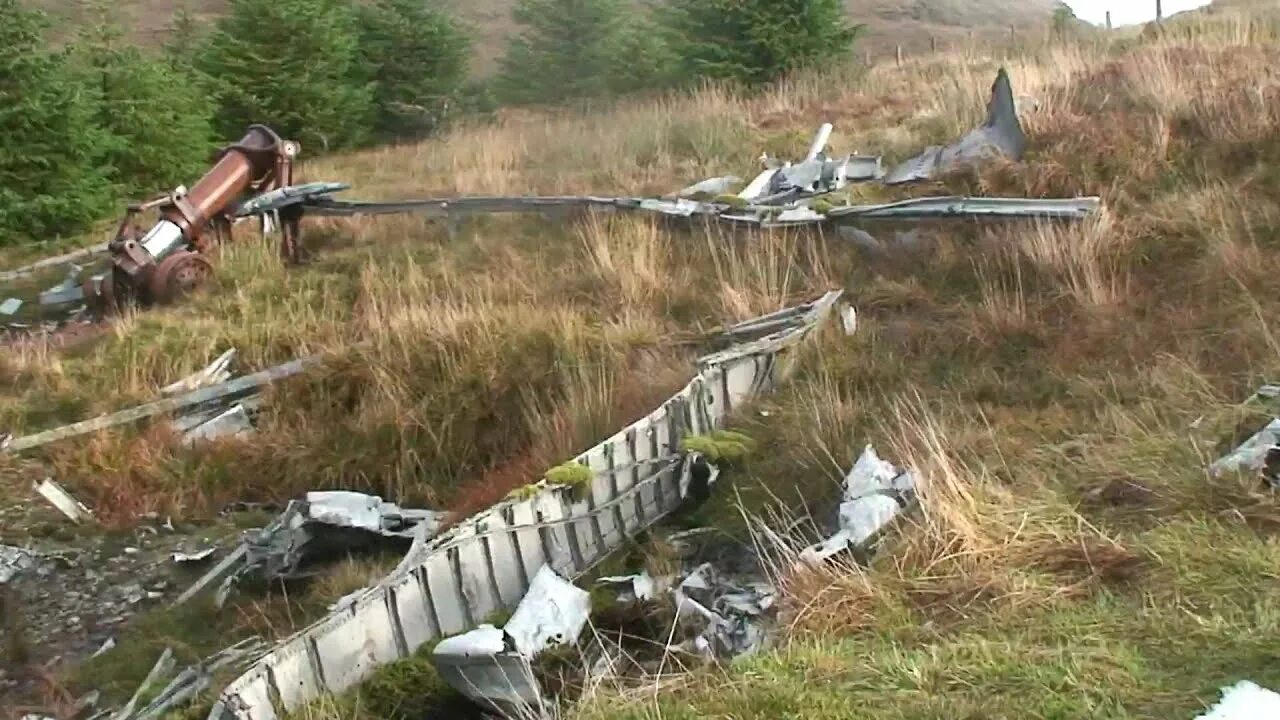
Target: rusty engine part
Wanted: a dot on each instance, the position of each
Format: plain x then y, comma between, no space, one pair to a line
168,261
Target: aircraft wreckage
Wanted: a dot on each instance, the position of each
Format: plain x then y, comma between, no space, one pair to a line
447,584
253,179
523,553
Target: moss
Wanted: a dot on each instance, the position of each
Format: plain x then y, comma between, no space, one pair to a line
732,201
573,475
524,492
822,205
403,690
720,446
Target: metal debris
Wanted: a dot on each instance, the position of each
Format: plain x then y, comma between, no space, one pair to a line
1000,134
275,200
97,248
14,561
321,525
10,306
640,587
1245,700
187,684
710,188
450,583
63,501
218,371
728,611
552,613
70,290
233,422
106,647
491,665
227,565
194,557
223,393
815,175
955,206
1260,453
875,492
163,667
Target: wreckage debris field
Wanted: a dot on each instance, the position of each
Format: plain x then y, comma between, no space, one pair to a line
1057,393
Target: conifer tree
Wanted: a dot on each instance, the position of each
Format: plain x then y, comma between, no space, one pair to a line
158,125
756,41
563,52
416,56
292,65
52,179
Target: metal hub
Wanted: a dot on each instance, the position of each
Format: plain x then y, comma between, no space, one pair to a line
179,275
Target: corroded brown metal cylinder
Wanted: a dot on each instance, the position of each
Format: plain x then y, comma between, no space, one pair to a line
241,165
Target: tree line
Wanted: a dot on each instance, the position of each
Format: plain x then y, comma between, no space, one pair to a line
98,120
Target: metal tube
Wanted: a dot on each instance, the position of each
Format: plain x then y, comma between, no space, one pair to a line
240,165
819,142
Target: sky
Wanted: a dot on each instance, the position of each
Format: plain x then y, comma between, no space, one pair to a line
1128,12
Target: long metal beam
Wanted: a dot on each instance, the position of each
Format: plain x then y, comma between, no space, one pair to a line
232,389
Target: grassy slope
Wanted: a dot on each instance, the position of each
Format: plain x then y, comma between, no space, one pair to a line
890,22
1074,560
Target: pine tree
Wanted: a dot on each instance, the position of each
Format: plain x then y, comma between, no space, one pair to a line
756,41
159,126
641,57
563,52
51,175
292,65
185,34
416,57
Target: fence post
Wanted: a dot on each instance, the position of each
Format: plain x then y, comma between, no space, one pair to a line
933,43
1108,19
897,54
1159,11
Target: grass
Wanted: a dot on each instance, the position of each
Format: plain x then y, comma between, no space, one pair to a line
1071,557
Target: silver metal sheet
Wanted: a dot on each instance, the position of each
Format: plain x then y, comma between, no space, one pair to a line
999,135
351,645
414,611
294,675
944,207
445,594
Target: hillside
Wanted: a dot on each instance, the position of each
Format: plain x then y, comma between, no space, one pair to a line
1059,390
911,23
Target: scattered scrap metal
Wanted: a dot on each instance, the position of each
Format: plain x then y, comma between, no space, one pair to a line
1000,135
875,493
63,501
1260,453
252,179
13,561
717,614
324,524
186,685
202,414
492,665
450,583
